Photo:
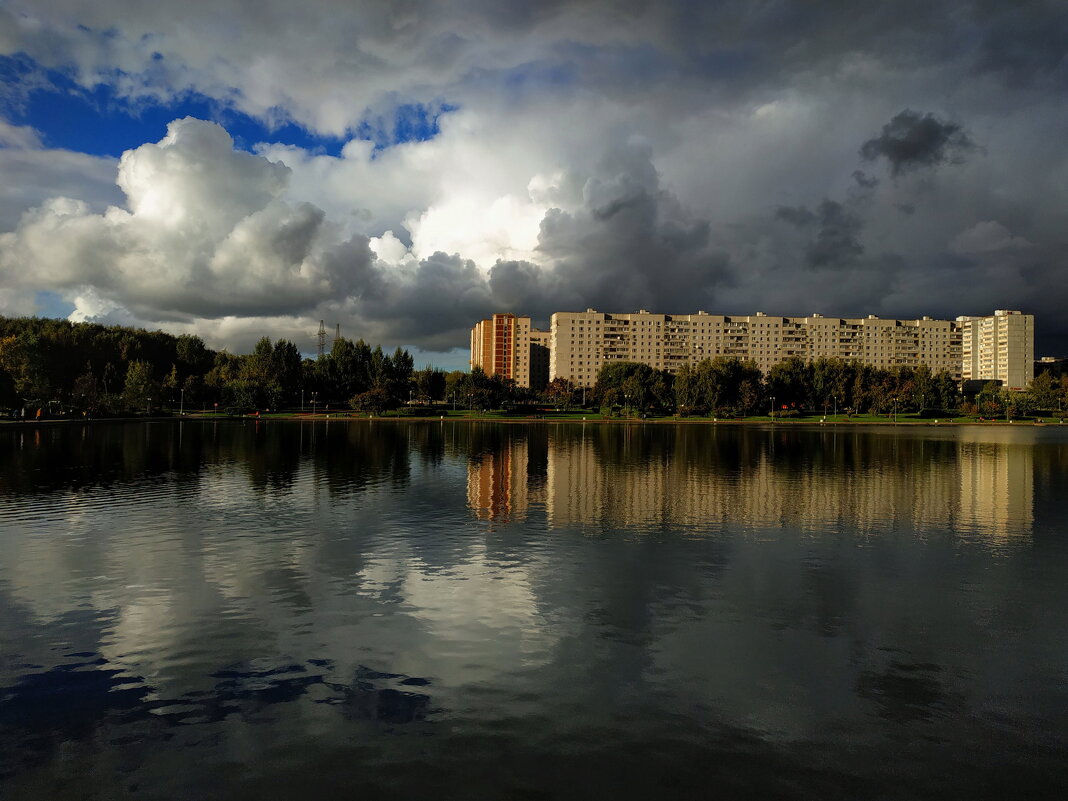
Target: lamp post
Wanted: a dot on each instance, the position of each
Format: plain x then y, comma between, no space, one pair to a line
302,401
181,407
835,405
771,413
148,406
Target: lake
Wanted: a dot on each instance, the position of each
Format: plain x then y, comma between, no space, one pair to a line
397,610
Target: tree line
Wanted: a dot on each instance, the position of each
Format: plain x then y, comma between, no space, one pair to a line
58,365
727,387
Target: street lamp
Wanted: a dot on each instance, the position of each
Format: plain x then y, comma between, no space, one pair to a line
302,401
771,413
835,405
181,407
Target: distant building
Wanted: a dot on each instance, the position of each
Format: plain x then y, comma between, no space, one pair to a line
1000,347
507,345
581,342
995,348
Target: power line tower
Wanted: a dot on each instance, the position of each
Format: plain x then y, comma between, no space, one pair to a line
322,339
337,332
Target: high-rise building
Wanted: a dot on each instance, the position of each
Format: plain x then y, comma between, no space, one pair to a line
1000,347
507,345
997,347
581,342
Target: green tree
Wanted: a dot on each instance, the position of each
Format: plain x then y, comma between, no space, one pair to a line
375,400
990,402
560,393
347,369
790,384
480,392
429,384
86,391
257,385
140,389
194,357
1045,391
22,357
397,375
171,387
723,385
946,392
640,386
455,381
926,388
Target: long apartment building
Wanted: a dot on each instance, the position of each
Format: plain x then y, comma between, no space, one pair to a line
507,345
998,347
580,342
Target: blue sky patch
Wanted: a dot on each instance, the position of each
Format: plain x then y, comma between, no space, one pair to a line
50,304
410,122
100,122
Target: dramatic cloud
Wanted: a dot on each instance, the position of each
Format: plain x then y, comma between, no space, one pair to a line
987,237
527,157
836,239
204,234
912,140
31,174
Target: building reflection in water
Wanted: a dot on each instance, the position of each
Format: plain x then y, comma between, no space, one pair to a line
500,483
702,478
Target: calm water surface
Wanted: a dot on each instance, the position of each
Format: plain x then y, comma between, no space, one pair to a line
385,610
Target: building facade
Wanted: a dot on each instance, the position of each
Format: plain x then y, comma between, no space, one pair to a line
581,342
507,345
1000,347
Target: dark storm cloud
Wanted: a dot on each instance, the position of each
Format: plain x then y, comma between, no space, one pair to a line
632,245
835,242
433,302
1025,42
629,245
864,180
912,140
796,215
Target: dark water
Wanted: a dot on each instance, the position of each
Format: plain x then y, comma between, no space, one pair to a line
374,610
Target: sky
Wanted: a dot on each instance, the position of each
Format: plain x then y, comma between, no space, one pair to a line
403,169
